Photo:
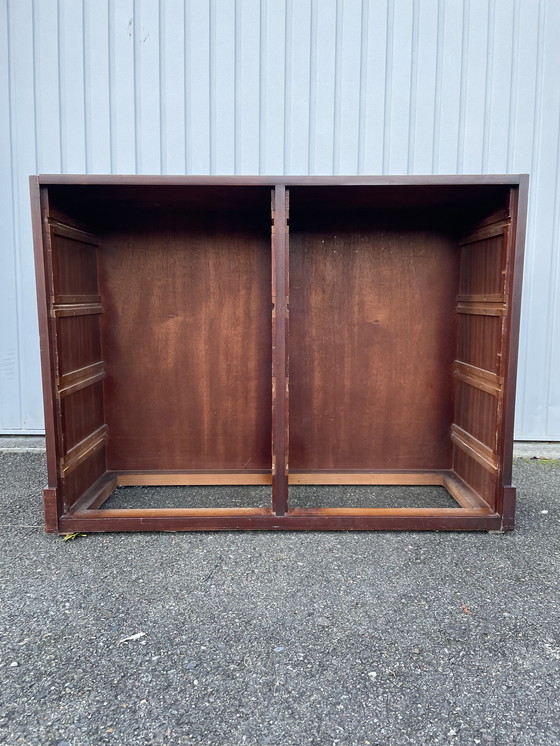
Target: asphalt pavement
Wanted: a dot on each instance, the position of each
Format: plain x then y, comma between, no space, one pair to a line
279,638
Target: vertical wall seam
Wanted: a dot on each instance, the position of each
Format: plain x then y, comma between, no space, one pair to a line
463,86
212,84
537,111
510,138
534,191
535,162
236,86
162,79
337,98
286,160
388,86
111,82
186,75
59,112
35,52
61,128
35,55
20,244
59,85
553,279
137,102
413,89
488,84
312,88
262,87
513,85
15,212
85,83
360,165
438,85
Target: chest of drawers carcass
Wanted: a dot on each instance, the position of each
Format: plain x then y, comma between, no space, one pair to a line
279,353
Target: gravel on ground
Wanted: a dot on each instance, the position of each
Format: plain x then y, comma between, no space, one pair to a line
279,639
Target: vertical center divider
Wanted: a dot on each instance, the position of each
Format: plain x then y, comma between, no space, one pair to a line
280,362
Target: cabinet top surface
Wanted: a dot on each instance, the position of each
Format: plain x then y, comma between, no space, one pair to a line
153,180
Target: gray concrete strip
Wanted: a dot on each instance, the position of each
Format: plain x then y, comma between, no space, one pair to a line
538,449
22,443
279,639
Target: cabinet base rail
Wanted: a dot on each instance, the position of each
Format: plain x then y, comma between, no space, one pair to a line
87,514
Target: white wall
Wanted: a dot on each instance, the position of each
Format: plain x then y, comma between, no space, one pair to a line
281,86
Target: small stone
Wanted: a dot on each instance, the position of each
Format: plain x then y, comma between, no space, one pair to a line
14,664
372,675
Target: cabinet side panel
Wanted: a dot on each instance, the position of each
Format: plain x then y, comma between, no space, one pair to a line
513,274
82,413
476,411
75,268
79,342
482,480
75,310
478,340
483,307
44,283
82,477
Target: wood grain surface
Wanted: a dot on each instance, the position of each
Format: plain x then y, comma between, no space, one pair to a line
372,342
186,340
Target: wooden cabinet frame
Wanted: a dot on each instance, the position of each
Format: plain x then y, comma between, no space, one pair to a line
169,356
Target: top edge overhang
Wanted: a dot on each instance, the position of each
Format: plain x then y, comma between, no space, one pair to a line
271,181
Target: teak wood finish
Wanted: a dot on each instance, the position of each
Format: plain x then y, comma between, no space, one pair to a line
279,331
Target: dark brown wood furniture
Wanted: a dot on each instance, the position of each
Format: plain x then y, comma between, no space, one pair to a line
168,360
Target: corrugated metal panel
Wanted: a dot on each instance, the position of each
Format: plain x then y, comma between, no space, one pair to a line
281,86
